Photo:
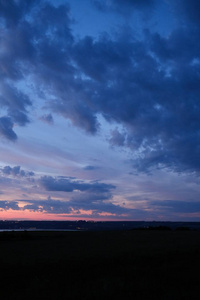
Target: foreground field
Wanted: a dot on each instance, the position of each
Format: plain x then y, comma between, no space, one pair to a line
100,265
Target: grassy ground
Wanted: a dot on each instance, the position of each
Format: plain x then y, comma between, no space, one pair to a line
100,265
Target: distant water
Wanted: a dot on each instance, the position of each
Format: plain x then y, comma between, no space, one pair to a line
30,229
93,225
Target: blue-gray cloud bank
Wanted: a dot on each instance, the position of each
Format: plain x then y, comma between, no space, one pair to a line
147,83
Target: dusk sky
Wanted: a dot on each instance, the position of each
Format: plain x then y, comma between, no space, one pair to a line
100,110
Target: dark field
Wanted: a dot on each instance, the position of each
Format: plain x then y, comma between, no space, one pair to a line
137,264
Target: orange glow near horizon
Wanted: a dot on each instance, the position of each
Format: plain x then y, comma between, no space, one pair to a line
11,214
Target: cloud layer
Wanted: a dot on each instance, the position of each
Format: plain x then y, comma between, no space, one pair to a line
149,85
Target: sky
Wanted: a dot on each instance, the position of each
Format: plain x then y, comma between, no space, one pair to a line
100,110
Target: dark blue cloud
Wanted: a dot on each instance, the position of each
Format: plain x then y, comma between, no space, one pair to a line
148,85
74,206
47,118
117,138
92,195
65,207
153,91
13,11
178,206
16,171
27,45
48,206
6,128
15,102
90,168
67,185
6,205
